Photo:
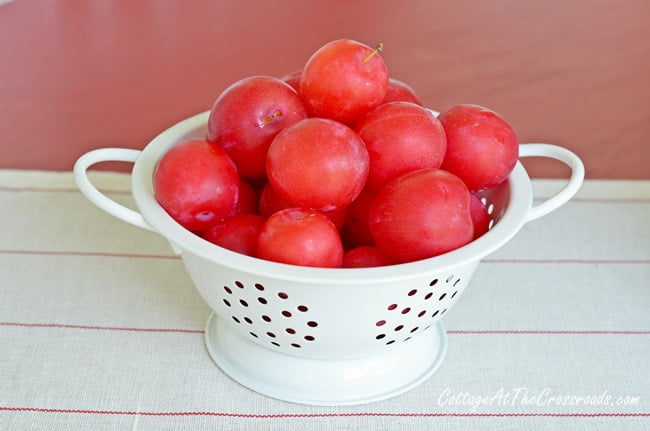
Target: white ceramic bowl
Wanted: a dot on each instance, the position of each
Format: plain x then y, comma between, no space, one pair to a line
320,335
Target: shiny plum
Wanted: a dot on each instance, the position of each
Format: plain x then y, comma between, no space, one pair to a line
365,256
246,117
421,214
356,230
317,163
196,183
398,91
342,80
237,233
400,137
480,216
482,148
270,203
300,236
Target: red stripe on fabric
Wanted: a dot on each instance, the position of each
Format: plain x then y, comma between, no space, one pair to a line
127,192
454,332
100,328
60,190
573,261
607,200
317,415
89,253
543,332
489,261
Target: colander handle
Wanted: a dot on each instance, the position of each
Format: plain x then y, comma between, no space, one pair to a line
569,190
98,198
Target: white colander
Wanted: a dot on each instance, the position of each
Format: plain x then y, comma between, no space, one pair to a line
318,335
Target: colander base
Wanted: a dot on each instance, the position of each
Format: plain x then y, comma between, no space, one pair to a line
325,382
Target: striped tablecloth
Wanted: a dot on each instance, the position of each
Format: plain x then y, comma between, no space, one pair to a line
100,327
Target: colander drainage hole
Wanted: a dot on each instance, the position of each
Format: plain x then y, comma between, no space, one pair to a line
312,324
433,282
236,319
454,294
309,338
303,308
406,310
286,313
422,313
243,303
239,284
248,320
225,301
380,336
413,292
259,287
270,334
456,282
228,290
381,323
435,313
262,301
283,295
253,334
390,342
442,296
451,277
391,307
275,344
296,345
428,296
290,331
266,318
399,328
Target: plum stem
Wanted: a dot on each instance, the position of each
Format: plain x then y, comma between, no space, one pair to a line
270,118
302,217
379,48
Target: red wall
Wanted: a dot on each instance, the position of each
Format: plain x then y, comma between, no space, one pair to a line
82,74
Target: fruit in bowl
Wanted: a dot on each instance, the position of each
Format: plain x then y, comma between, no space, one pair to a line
288,322
335,156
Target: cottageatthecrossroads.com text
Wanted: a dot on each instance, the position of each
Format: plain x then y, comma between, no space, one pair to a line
524,396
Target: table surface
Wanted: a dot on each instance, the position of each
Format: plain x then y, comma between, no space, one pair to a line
77,74
101,328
